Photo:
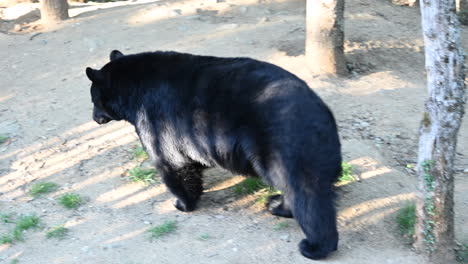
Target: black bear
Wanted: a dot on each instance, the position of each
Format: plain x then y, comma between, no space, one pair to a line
249,117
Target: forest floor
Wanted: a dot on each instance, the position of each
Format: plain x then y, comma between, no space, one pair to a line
45,111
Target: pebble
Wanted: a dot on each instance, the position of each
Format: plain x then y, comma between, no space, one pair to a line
219,216
147,222
465,171
85,249
285,237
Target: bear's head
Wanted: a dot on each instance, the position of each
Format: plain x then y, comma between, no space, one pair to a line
101,93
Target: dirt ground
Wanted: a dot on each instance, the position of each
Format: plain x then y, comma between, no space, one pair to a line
45,109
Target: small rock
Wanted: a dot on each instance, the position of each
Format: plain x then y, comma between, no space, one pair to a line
219,216
364,124
147,222
17,27
264,19
85,249
465,171
285,237
243,9
235,249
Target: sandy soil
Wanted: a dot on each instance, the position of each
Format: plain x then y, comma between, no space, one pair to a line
45,109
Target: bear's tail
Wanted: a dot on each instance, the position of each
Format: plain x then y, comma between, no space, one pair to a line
315,212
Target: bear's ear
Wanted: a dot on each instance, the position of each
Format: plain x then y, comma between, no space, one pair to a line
115,54
94,75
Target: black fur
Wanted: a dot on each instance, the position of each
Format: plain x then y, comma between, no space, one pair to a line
250,117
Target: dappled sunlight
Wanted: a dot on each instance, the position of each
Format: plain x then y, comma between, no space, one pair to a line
361,16
377,172
96,179
75,222
119,193
80,8
63,152
126,236
18,10
4,98
161,12
4,247
373,210
366,162
393,82
139,197
166,206
229,182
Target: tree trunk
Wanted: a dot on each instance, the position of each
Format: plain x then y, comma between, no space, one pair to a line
325,36
462,5
439,128
54,10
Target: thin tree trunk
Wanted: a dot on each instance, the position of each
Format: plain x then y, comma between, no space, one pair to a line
439,129
325,36
462,5
54,10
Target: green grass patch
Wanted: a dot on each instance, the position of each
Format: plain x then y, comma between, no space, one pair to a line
6,239
71,200
281,226
204,237
268,192
138,174
25,222
139,153
42,188
59,232
14,261
164,229
3,139
249,186
6,218
406,219
462,253
346,173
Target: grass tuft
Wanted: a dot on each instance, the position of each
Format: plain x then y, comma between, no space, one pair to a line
268,192
3,139
139,153
462,253
138,174
70,200
6,218
406,219
59,232
6,239
281,226
42,188
204,237
249,186
164,229
346,173
25,222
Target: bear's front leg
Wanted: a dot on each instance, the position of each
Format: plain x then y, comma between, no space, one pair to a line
186,185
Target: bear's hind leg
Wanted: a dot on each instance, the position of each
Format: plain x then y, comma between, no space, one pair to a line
316,215
278,206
